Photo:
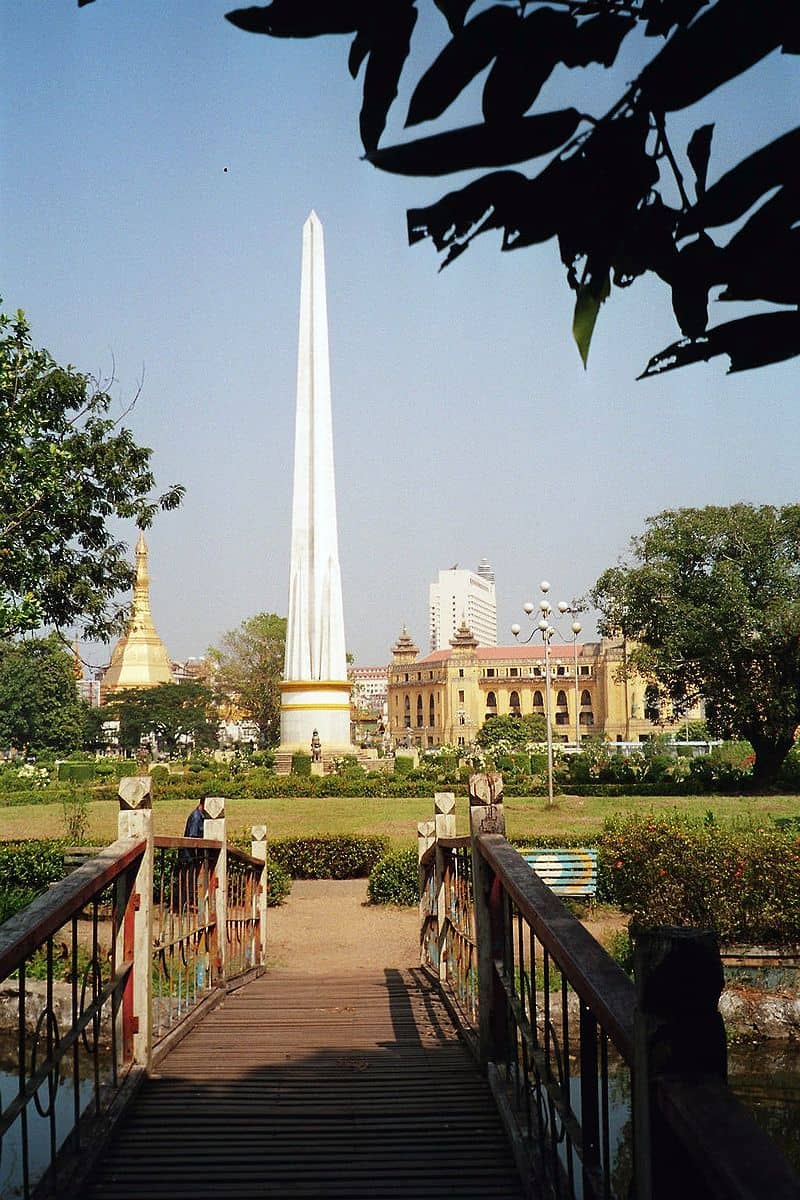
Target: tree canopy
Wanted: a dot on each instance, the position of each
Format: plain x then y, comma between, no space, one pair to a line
517,732
39,704
713,599
67,467
248,664
169,711
618,193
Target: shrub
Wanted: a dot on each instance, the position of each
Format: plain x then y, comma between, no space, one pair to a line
742,882
403,764
13,899
301,765
76,772
33,865
75,813
328,857
394,879
789,776
279,884
262,758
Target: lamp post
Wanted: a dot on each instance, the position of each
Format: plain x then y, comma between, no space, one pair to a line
546,629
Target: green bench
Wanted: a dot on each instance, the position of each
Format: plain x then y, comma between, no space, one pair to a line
569,872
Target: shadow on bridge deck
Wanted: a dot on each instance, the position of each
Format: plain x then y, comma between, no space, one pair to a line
308,1086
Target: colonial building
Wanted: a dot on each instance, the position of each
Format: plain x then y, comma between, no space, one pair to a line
369,686
445,697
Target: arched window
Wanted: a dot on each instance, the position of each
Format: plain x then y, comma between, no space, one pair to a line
491,700
652,707
420,715
586,699
431,711
538,701
407,711
561,700
562,714
513,704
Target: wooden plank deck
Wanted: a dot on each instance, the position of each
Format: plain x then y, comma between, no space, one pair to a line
301,1086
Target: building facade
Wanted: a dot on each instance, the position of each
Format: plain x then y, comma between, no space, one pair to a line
445,697
463,595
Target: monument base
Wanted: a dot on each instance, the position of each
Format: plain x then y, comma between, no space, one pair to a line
315,704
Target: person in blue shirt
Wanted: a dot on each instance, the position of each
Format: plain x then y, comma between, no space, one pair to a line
194,822
189,860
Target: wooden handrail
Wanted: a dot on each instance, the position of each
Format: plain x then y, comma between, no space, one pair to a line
593,975
29,928
243,857
186,843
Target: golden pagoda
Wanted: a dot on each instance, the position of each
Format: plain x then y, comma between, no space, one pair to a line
139,658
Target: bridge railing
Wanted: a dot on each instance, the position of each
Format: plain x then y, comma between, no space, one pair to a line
106,970
607,1088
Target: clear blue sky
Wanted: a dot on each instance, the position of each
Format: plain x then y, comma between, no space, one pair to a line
464,423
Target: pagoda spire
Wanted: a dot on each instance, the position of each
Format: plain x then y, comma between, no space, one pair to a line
139,659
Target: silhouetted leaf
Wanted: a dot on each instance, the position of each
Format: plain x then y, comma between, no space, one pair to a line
720,44
359,49
525,62
737,191
391,43
646,243
696,269
302,18
454,12
664,15
698,152
471,49
452,222
762,262
591,294
479,145
750,342
597,40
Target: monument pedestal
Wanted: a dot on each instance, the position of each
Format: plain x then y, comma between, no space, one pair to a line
321,704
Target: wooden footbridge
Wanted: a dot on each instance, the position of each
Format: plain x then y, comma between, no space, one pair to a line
156,1057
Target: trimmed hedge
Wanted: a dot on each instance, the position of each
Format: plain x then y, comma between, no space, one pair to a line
328,857
32,865
394,879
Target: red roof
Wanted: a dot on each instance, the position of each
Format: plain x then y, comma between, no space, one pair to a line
503,653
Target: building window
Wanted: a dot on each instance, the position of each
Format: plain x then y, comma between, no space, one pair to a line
431,712
538,701
652,708
562,717
514,671
420,716
461,741
586,699
460,672
462,720
586,718
407,712
513,704
461,697
561,670
536,671
490,672
585,670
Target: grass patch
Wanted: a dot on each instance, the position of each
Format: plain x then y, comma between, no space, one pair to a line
396,817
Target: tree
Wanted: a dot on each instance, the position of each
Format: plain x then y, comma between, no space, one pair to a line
713,600
169,711
248,665
615,189
39,704
517,731
66,467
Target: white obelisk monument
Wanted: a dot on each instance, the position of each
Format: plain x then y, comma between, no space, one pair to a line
315,693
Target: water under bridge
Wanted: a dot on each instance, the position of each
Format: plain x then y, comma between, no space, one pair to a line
157,1057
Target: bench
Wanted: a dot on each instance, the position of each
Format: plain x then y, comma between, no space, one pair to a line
569,872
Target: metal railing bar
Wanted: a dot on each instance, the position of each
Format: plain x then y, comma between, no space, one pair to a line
23,933
591,972
60,1051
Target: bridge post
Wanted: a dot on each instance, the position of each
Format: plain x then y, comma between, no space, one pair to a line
134,936
678,1033
426,836
445,826
486,816
214,830
258,849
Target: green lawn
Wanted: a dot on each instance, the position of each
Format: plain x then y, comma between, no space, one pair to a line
526,817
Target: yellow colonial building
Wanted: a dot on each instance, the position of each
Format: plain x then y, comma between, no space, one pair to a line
445,697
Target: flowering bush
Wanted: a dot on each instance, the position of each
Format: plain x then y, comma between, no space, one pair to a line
743,882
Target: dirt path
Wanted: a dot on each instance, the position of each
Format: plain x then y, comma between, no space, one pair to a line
326,926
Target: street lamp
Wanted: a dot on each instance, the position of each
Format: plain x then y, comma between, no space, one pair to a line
547,630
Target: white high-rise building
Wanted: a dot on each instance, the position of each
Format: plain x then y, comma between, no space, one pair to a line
467,595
